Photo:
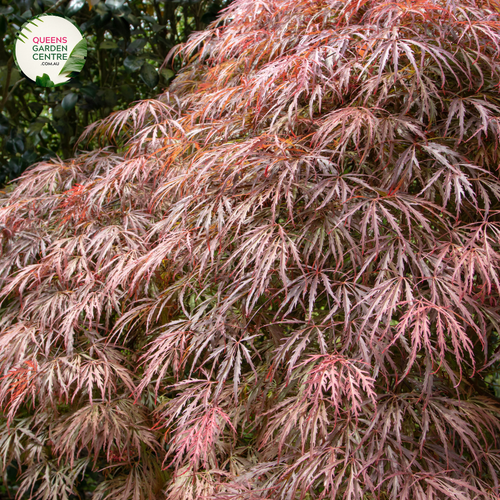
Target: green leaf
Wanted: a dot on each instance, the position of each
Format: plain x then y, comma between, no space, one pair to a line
114,4
69,101
136,45
58,112
36,126
133,63
149,75
108,44
73,65
157,27
167,73
132,19
73,7
80,49
76,60
90,90
44,81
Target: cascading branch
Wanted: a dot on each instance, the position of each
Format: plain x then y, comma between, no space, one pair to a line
279,280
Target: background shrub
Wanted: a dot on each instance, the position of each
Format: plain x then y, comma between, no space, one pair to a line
128,41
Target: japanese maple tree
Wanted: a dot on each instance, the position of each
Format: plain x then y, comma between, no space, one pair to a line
277,280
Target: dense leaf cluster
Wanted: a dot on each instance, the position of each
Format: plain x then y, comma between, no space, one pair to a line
128,41
278,280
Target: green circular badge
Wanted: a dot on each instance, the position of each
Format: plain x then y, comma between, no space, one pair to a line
49,50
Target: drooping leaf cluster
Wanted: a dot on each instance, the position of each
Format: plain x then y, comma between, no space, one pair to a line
278,280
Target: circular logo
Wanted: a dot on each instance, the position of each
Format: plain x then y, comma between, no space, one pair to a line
49,50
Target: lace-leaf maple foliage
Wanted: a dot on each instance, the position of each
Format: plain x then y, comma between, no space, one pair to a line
278,280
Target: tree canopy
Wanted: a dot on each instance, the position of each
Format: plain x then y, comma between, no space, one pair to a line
279,279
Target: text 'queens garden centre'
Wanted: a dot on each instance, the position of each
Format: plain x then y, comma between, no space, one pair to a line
57,50
50,50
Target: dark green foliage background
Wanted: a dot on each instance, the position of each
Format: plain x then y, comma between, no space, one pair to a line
128,41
